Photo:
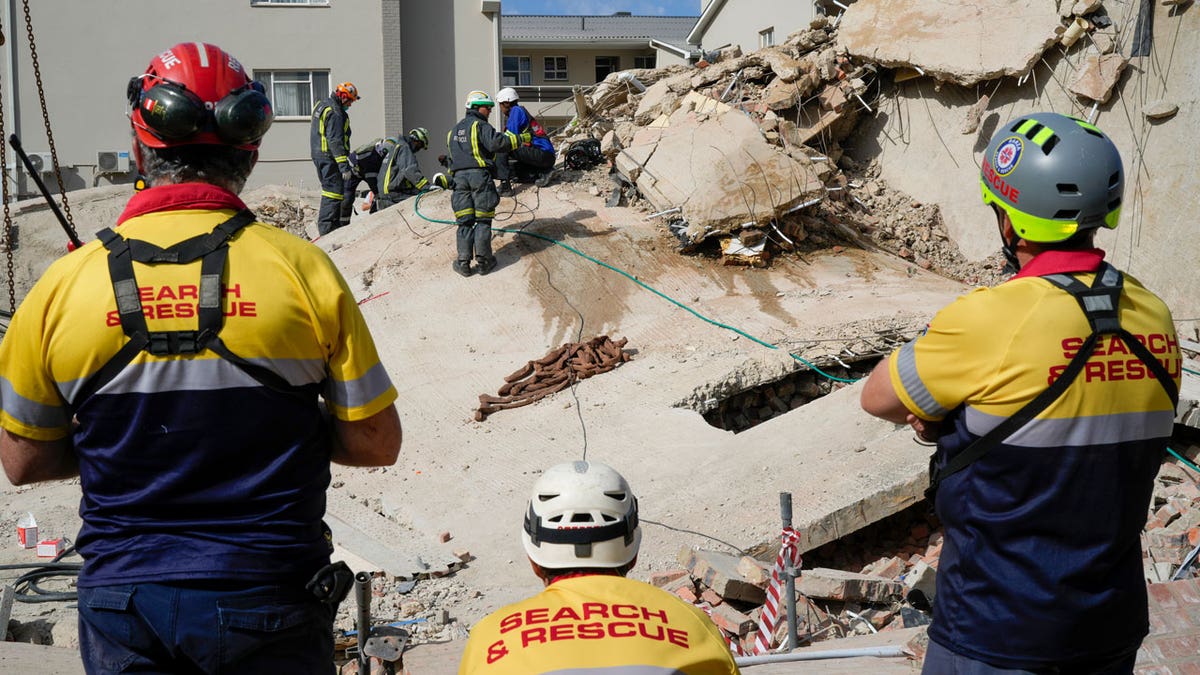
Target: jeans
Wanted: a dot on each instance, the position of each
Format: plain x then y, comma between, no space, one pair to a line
204,627
941,661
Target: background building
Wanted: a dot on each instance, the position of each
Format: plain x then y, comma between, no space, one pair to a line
750,24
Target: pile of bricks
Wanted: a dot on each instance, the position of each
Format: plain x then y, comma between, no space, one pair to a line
557,370
1173,528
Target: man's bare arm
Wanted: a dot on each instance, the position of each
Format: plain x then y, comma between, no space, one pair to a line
28,461
374,441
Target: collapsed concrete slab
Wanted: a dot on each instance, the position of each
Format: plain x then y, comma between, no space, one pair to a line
963,42
714,164
1097,76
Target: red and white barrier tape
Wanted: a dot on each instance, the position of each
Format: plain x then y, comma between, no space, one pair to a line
734,643
789,556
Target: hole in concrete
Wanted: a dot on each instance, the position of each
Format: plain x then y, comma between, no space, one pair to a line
750,407
913,531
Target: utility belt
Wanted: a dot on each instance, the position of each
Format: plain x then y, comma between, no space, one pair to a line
1100,304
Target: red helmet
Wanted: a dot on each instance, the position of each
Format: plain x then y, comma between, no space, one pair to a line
196,93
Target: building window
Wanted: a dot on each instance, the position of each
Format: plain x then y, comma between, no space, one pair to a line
645,61
606,65
514,71
294,92
555,68
766,37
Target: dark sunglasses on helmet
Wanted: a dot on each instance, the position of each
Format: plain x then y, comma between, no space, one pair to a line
172,113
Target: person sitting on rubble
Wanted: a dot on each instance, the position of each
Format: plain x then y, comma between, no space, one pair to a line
1042,479
582,537
365,162
402,177
530,162
177,366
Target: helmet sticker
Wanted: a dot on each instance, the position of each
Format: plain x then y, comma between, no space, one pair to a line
1008,154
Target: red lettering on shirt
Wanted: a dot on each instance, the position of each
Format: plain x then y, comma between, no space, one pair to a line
235,290
562,631
677,637
598,609
661,615
165,293
659,634
189,292
496,651
510,622
625,628
1070,347
531,635
625,612
590,631
566,613
539,615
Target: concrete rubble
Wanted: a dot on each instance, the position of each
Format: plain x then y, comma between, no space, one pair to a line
963,42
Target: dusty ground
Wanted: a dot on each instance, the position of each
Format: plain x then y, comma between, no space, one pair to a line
446,340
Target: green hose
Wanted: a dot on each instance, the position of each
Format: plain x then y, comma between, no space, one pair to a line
639,282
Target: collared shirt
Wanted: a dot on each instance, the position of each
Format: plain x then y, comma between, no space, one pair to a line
601,624
190,468
1042,561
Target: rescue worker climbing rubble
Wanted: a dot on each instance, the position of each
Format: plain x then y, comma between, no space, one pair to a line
329,144
177,366
531,161
366,161
402,177
582,537
1051,398
473,145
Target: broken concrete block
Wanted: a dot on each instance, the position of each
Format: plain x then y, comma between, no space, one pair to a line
922,577
840,585
665,577
1160,109
1097,76
657,100
687,594
610,145
719,571
734,252
711,597
955,42
757,573
782,64
731,621
832,98
1085,7
974,115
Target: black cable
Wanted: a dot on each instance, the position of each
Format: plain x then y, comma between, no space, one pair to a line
27,588
698,534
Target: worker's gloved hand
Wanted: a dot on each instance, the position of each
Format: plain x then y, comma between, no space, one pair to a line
444,161
347,173
440,180
525,137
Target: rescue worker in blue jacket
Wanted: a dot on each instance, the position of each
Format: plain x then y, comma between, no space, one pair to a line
366,160
533,159
330,146
402,177
473,146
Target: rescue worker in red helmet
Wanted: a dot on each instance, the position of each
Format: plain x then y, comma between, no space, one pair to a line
176,366
329,141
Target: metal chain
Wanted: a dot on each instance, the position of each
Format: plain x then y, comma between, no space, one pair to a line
8,242
37,76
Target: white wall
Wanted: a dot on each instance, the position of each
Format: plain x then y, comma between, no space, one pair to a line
739,22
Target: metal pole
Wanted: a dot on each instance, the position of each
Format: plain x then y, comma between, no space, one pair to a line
362,594
744,661
785,511
16,146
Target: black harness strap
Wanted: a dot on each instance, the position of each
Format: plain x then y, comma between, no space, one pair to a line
1100,303
212,249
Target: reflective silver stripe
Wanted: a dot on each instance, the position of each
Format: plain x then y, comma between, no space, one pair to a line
1094,303
31,413
906,365
1062,279
199,375
360,391
1110,276
1078,431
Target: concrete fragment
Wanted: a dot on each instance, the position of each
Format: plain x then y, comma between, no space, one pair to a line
1160,109
955,42
781,63
840,585
1105,41
735,252
756,572
731,621
665,577
610,145
1085,7
780,95
657,100
922,577
719,571
1097,76
974,114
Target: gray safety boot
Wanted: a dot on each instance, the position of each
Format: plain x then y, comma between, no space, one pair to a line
463,267
486,265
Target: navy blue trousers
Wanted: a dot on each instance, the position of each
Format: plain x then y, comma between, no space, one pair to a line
941,661
204,628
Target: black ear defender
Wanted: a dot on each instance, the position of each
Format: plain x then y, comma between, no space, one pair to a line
172,113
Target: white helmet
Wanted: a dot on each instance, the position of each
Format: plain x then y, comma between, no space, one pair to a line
582,514
507,95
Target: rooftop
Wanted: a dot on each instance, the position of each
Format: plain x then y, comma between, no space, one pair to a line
611,28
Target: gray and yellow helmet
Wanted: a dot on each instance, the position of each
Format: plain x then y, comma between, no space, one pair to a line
420,134
1054,176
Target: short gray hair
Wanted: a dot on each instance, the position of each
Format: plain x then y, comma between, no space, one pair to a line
221,165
